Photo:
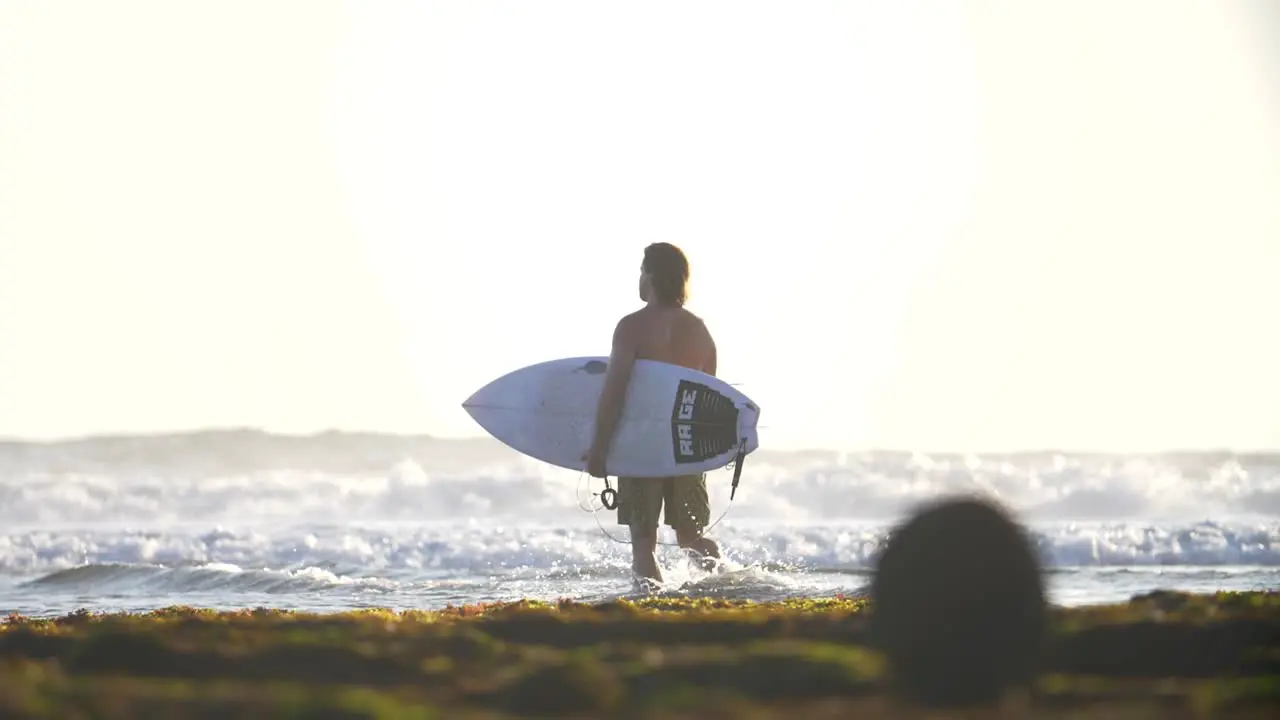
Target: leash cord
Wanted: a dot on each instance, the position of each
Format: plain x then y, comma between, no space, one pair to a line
595,513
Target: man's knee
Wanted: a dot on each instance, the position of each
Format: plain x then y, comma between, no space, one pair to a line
643,532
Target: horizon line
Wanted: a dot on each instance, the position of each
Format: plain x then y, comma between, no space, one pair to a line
228,429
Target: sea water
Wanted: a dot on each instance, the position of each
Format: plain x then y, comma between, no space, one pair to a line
249,520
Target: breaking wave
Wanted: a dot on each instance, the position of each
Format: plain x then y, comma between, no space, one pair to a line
291,557
212,578
251,477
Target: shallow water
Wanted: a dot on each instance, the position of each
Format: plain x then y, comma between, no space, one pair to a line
254,521
335,568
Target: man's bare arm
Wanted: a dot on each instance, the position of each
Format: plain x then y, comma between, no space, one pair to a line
622,359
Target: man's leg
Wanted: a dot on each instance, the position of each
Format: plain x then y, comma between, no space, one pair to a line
639,507
688,511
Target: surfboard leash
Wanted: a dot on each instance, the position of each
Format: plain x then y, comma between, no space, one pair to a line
612,505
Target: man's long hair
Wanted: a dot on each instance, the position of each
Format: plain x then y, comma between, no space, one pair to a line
668,271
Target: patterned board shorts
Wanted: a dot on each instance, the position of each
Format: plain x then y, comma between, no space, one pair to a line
682,500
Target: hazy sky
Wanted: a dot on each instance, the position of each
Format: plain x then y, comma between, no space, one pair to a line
989,225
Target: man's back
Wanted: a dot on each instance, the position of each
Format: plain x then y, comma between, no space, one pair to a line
674,335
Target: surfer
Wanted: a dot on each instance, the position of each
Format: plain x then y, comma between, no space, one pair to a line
665,331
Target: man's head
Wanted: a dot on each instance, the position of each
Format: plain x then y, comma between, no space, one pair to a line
664,275
958,606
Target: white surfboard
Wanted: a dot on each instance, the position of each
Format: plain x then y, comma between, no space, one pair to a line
675,421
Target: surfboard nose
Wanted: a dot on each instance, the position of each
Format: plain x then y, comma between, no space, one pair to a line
480,410
478,399
482,404
473,399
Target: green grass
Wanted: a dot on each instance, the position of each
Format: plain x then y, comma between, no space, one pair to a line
1163,655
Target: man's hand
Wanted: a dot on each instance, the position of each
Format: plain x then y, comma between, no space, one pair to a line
595,459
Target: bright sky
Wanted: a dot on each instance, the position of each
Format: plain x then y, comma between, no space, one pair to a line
980,226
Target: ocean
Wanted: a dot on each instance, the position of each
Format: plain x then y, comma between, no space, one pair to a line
338,521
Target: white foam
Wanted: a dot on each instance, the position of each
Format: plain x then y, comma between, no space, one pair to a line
864,487
401,552
212,577
822,511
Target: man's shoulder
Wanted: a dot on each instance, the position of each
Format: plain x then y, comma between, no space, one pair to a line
636,318
697,321
628,325
631,319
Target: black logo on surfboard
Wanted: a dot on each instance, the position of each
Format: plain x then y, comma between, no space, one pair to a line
593,367
704,423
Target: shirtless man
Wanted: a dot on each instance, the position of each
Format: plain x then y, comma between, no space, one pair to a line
662,330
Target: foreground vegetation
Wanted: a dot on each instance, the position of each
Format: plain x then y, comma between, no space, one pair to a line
1163,655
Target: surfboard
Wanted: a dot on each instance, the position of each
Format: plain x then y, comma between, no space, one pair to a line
675,421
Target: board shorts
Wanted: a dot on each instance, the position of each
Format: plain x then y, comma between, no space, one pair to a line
682,500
